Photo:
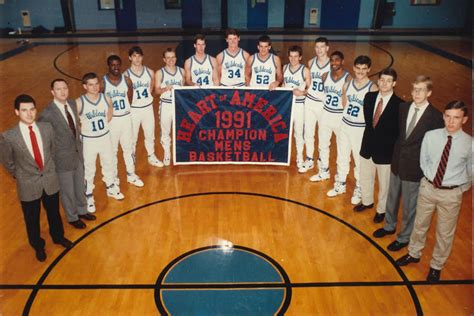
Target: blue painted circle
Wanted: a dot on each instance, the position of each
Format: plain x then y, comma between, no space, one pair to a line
223,281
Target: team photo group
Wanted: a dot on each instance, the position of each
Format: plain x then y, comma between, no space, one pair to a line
419,156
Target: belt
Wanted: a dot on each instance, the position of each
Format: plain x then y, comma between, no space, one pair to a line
443,187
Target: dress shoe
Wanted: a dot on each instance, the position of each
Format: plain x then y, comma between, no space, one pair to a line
433,275
381,232
87,216
66,243
41,255
78,224
379,217
361,207
396,245
406,260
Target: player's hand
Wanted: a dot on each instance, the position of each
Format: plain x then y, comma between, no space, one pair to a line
273,85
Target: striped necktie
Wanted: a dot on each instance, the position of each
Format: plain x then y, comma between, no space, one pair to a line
438,179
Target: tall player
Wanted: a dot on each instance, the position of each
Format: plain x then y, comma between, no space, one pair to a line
201,68
141,108
95,112
231,61
263,70
166,78
353,124
119,90
296,76
313,104
332,116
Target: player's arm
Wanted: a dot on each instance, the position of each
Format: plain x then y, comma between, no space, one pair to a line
248,70
344,96
215,74
152,81
79,106
110,109
307,79
374,87
279,74
158,81
310,62
187,73
129,83
219,59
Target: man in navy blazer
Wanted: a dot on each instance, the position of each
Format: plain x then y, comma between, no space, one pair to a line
380,134
27,152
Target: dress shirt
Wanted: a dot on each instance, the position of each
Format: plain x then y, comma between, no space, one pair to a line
458,169
411,112
63,112
385,100
25,132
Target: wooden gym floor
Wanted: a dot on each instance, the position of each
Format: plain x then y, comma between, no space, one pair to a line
329,262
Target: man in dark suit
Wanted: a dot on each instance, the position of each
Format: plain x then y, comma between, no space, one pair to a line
415,119
27,152
380,135
61,113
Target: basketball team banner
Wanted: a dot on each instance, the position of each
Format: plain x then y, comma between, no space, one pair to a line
232,126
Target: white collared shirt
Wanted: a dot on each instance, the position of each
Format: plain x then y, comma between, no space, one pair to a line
411,112
385,100
25,132
63,112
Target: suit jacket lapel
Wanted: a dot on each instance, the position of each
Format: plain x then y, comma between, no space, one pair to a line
21,143
45,140
403,122
421,122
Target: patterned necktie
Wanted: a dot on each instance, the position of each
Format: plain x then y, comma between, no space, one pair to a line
70,121
438,179
378,113
412,124
36,150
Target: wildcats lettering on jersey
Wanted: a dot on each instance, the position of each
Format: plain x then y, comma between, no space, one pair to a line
295,80
201,72
333,89
233,69
354,113
170,79
142,89
118,95
94,117
316,90
263,71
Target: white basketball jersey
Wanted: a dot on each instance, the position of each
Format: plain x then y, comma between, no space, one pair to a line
142,88
233,69
94,117
295,80
354,111
118,95
316,89
333,89
263,71
201,73
169,79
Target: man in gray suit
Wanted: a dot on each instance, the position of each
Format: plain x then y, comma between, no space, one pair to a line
61,113
27,152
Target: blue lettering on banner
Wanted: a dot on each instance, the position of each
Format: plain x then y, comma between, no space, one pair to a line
243,126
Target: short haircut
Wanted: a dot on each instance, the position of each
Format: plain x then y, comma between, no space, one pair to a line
338,53
456,105
265,39
424,79
295,48
135,50
169,50
88,76
23,98
199,36
389,72
322,40
57,80
363,60
111,58
231,32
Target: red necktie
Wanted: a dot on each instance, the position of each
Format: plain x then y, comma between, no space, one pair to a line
70,121
378,113
438,179
36,150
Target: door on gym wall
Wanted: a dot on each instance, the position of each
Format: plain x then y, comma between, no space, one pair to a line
294,13
340,14
125,15
257,14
